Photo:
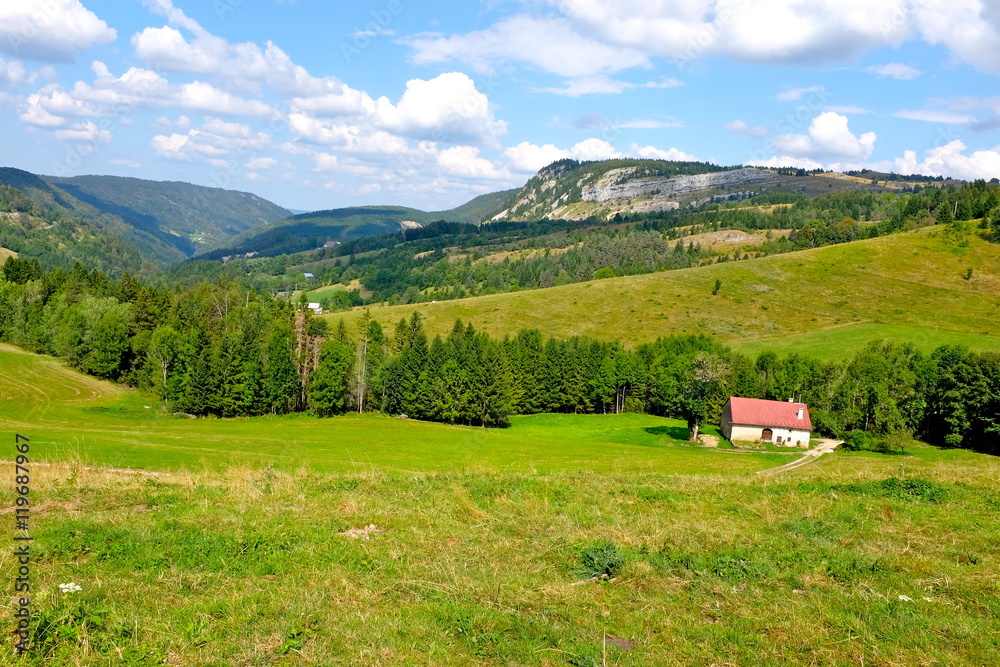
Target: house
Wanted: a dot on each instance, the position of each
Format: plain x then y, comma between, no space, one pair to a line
316,308
756,420
309,276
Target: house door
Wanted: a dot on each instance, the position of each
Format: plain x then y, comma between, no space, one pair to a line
766,435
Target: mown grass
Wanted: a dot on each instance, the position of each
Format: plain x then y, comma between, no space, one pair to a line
915,280
834,565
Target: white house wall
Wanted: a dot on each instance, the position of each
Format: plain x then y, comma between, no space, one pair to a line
753,433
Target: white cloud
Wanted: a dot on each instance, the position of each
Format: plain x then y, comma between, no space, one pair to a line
464,162
86,131
550,44
261,163
743,127
849,108
11,73
895,70
602,84
445,108
648,124
201,96
125,162
787,161
529,157
934,116
345,136
50,30
653,153
797,93
949,160
213,141
829,137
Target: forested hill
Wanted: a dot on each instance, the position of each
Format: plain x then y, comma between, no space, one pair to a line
117,224
308,231
187,216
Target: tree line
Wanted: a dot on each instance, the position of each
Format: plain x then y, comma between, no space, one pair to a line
218,349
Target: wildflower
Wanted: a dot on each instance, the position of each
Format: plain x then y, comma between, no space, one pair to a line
69,588
905,598
928,600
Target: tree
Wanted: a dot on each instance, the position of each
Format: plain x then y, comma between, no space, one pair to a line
718,286
328,383
701,391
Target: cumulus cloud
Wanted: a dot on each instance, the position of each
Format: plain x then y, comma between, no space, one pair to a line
465,162
950,160
895,71
50,30
743,127
829,137
529,157
445,108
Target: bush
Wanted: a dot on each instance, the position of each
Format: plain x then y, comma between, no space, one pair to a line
859,441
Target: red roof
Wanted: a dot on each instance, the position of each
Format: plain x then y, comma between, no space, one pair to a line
758,412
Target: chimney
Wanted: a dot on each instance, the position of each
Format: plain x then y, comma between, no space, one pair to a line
801,413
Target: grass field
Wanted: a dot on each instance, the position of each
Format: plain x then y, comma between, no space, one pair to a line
564,540
72,417
5,253
844,342
914,281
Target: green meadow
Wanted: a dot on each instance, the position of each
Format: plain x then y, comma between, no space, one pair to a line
911,286
563,540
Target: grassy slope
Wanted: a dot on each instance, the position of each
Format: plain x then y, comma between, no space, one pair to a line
913,279
5,253
481,563
70,416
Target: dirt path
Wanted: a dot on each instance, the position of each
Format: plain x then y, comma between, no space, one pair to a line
825,446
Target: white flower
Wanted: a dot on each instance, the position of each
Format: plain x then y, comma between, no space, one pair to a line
904,598
928,600
69,588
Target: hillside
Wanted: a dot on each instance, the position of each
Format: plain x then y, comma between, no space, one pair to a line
308,231
572,190
116,223
187,216
911,279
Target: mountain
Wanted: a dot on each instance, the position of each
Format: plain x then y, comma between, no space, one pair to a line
572,190
42,222
120,223
311,230
187,216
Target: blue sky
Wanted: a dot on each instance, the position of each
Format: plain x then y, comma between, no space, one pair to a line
316,104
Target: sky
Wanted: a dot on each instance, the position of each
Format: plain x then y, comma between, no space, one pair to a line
318,104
